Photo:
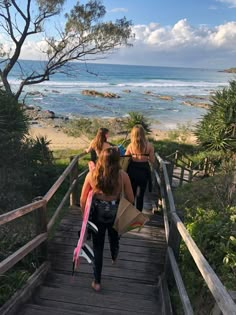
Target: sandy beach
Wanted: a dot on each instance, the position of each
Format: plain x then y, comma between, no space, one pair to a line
60,140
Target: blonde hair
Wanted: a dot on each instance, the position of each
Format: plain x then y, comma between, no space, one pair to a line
99,140
138,139
106,172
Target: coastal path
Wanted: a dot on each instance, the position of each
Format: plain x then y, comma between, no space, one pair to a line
137,284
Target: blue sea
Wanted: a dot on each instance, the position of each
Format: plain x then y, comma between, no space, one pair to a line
62,93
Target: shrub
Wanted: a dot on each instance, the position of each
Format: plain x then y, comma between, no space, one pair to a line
217,129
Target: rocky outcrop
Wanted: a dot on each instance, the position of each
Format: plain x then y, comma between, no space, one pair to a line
161,97
196,97
196,104
36,113
230,70
101,94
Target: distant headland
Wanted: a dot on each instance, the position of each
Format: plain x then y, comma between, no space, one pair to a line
230,70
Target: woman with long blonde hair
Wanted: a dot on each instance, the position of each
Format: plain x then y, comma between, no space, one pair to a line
142,153
106,181
98,143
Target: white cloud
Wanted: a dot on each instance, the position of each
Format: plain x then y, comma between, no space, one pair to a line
182,33
181,45
230,3
178,45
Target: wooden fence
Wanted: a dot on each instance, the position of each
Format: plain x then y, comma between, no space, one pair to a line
188,170
43,227
175,230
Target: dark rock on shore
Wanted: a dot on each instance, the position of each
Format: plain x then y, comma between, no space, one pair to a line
161,97
101,94
196,104
36,113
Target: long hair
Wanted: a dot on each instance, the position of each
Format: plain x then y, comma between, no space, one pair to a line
100,139
106,172
138,139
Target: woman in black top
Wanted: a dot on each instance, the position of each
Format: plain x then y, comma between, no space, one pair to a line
142,153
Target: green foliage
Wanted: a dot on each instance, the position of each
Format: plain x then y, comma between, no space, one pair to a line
136,118
13,120
82,126
26,168
181,133
210,218
14,184
168,147
217,129
42,170
11,282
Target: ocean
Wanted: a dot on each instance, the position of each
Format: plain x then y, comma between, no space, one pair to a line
138,87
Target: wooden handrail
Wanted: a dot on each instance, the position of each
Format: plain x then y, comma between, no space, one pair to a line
41,204
19,212
168,186
222,297
61,179
21,252
214,284
166,222
55,215
180,285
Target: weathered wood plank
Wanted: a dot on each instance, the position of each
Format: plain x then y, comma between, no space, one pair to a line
106,299
83,281
129,287
22,252
19,212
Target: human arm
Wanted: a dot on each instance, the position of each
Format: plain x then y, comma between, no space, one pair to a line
85,191
128,191
151,153
90,148
128,152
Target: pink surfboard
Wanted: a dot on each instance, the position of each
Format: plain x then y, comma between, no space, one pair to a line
79,251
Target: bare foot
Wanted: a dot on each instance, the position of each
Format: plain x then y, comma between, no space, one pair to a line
96,286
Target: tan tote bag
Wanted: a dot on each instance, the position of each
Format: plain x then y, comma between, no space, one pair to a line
128,217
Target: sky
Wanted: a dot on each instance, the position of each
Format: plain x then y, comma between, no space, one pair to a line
180,33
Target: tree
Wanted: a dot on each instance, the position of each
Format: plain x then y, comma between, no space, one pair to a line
217,129
85,36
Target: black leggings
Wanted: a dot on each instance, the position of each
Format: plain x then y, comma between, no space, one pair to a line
139,174
98,246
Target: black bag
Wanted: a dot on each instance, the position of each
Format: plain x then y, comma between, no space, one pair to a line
104,211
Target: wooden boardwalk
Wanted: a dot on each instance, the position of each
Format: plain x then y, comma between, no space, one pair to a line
129,287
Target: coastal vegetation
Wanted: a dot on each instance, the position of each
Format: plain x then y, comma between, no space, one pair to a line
209,205
217,129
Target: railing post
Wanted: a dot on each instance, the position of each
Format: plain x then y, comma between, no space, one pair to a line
205,166
41,227
181,176
73,175
174,241
176,157
190,175
170,170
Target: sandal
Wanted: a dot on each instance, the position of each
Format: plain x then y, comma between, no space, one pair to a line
96,286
